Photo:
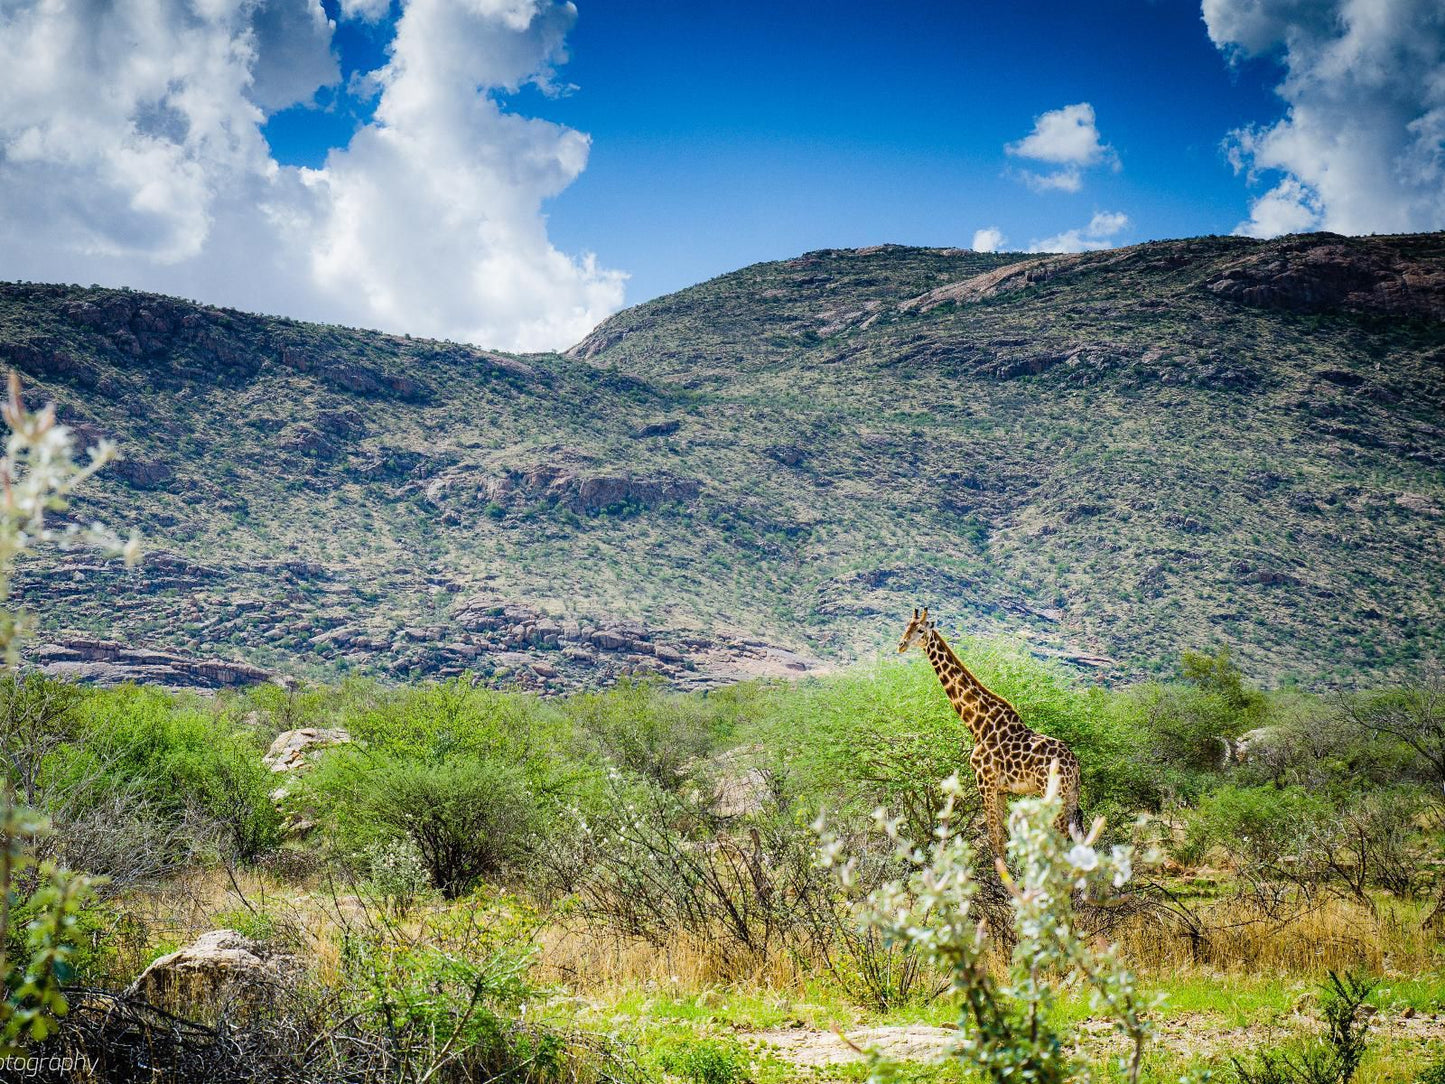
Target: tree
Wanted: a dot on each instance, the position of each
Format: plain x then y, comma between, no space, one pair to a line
1414,715
1218,673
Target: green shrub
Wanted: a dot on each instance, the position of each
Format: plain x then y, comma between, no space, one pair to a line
40,906
705,1061
1185,728
468,816
398,873
1217,673
1332,1058
1261,824
437,720
648,730
174,758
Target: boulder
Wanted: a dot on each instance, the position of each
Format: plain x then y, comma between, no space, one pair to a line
1260,745
219,968
294,749
740,786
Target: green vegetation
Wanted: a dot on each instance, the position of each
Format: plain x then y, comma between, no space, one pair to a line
627,881
499,875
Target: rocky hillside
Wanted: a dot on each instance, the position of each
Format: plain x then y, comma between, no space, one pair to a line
1115,455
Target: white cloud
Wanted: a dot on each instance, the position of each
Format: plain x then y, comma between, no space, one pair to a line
370,11
989,239
1362,144
1100,233
1067,137
145,165
1288,207
1064,180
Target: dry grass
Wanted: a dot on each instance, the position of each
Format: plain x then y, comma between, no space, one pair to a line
1236,936
1328,934
590,958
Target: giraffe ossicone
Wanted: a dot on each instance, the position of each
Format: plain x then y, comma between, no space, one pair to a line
1008,757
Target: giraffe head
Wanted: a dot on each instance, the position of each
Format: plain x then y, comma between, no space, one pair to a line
917,631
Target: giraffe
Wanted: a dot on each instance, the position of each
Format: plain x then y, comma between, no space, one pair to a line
1008,757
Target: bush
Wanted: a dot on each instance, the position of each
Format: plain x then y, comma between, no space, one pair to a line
438,720
647,730
1185,728
40,906
168,759
705,1061
655,864
1258,824
399,874
37,717
1217,673
1006,1029
1333,1058
468,816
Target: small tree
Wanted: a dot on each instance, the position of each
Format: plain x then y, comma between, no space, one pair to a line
468,817
1005,1027
1413,715
37,473
1333,1058
1219,674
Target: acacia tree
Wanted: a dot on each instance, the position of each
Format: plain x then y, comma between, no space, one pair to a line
39,902
1413,715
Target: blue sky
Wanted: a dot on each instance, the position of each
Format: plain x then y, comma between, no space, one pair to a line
730,133
511,172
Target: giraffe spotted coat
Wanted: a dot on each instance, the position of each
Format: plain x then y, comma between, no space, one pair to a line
1008,757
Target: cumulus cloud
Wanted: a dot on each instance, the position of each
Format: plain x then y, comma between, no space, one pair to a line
1361,147
989,239
1101,232
1068,138
145,165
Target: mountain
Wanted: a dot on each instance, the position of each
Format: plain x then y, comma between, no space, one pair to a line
1115,455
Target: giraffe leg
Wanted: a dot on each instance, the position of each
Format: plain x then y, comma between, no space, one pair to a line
1069,817
995,811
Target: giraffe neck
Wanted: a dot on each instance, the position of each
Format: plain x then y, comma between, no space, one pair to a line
969,696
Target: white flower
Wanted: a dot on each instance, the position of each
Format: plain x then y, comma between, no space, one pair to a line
1123,860
1083,858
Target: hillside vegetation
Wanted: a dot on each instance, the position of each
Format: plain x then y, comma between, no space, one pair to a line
1113,455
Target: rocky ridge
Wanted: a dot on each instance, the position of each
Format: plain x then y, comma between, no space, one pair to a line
1111,455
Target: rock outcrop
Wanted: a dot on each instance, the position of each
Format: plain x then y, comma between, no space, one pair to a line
110,662
586,491
294,750
1015,276
220,969
1323,273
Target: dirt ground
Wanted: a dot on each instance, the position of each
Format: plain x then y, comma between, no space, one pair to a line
1188,1034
